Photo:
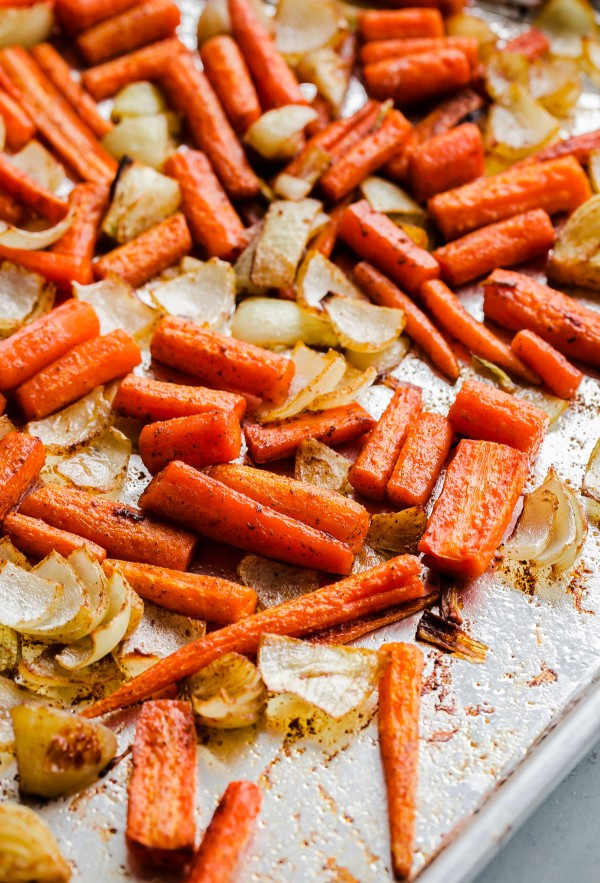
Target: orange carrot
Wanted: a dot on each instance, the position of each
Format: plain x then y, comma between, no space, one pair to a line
326,239
214,223
531,43
376,238
350,631
148,63
515,301
21,458
88,203
378,24
38,539
323,119
228,74
372,469
24,189
199,440
19,127
394,582
77,373
62,269
275,441
578,146
318,507
448,311
10,210
557,186
122,530
399,700
144,23
421,459
148,400
33,347
157,248
417,78
447,160
222,361
227,835
379,50
162,787
77,15
470,517
559,375
2,403
211,509
191,594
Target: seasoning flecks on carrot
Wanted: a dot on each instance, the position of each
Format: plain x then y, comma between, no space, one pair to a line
63,269
379,24
380,50
228,74
88,203
445,161
146,22
38,539
198,440
414,78
149,63
421,460
21,459
149,400
24,189
19,127
562,378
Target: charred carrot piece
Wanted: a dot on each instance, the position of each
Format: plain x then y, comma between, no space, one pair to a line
350,631
62,269
417,78
77,15
10,210
228,74
395,582
199,440
162,787
379,24
145,399
446,161
579,147
482,485
77,373
325,510
38,539
24,189
399,702
448,311
144,23
21,458
423,454
380,50
515,301
33,347
157,248
220,360
376,238
372,469
122,530
88,203
148,63
210,508
562,378
532,44
227,835
274,441
19,127
191,594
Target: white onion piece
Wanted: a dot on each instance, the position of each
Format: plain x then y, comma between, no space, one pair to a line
591,480
282,240
329,72
14,237
315,374
318,277
23,297
29,851
89,571
383,360
40,165
138,99
303,25
267,322
228,693
532,531
352,383
10,696
8,552
551,405
278,133
364,326
142,197
213,21
385,196
26,601
74,425
565,23
26,25
205,296
101,466
74,617
159,633
319,464
243,266
576,256
519,126
145,138
117,306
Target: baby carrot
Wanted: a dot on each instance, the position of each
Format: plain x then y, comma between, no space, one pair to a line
148,63
211,509
77,15
199,440
19,127
531,43
157,248
38,539
77,373
372,469
88,203
24,189
399,701
145,399
415,78
376,238
378,24
63,269
122,530
482,485
228,74
275,441
191,594
33,347
421,459
144,23
21,458
446,161
578,146
562,378
325,510
227,835
379,50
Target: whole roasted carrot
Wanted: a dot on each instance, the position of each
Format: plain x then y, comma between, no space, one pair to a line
559,375
212,509
77,373
222,361
415,78
122,530
578,146
38,539
148,63
446,161
275,441
191,594
137,26
157,248
88,203
379,50
394,582
371,471
24,189
227,835
399,701
21,458
19,127
376,238
228,74
198,440
423,454
33,347
318,507
531,43
77,15
148,400
482,485
379,24
63,269
350,631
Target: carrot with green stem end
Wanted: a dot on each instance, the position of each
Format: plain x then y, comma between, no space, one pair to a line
148,400
77,15
228,74
21,459
24,189
146,22
63,269
149,63
38,539
199,440
531,43
19,127
445,161
88,203
421,460
559,375
416,78
379,24
380,50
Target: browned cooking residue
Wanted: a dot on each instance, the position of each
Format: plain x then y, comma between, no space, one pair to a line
341,874
524,578
546,676
578,587
476,710
440,682
443,735
73,747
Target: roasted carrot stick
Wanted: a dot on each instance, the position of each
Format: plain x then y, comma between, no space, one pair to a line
19,127
482,411
157,248
376,238
122,530
162,787
191,594
557,186
350,631
274,441
10,210
222,361
559,375
399,700
227,835
38,539
578,146
378,24
24,189
532,44
148,63
228,74
2,403
394,582
421,459
21,458
469,518
515,301
318,507
62,269
447,160
148,400
417,78
199,440
371,471
77,15
88,203
214,223
144,23
77,373
212,509
379,50
448,311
